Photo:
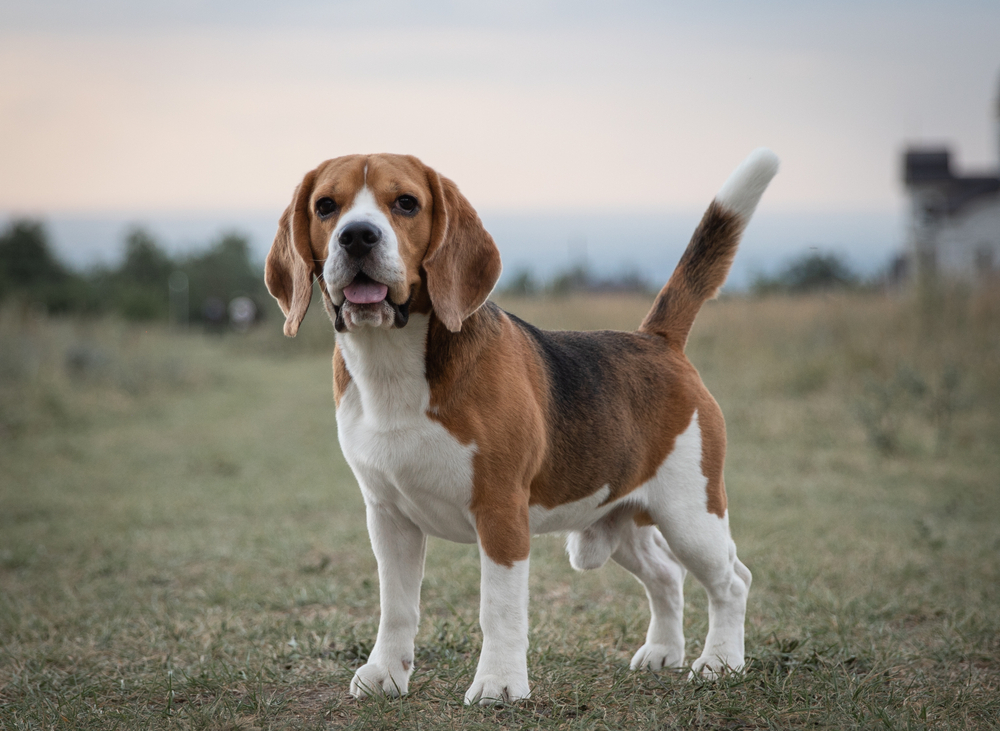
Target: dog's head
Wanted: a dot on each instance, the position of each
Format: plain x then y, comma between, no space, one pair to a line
383,232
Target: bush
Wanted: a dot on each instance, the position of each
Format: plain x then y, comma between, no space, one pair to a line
139,288
220,274
809,273
30,273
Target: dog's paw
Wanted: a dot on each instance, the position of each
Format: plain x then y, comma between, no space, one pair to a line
712,666
377,679
487,690
657,657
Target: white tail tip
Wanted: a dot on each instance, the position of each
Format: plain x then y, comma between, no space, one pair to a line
742,192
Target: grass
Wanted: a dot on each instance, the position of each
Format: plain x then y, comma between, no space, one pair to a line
183,546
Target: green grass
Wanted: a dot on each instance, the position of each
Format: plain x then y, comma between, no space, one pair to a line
183,546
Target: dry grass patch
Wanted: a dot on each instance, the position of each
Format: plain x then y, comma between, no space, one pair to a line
182,545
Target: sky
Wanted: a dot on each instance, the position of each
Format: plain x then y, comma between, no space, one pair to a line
213,111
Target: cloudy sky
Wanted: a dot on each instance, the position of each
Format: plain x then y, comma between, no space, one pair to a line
132,107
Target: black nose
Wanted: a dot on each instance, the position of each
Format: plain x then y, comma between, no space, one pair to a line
358,238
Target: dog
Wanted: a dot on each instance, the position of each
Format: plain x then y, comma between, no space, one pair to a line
461,421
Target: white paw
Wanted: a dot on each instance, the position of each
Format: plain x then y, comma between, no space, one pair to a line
657,657
376,679
489,690
714,665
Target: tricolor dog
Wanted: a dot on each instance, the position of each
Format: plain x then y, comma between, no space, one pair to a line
461,421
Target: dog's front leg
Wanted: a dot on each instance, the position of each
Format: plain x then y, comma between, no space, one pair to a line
502,674
399,548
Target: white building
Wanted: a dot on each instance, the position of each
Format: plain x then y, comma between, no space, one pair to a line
954,220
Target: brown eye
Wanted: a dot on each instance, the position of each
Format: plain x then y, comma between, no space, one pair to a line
407,205
325,207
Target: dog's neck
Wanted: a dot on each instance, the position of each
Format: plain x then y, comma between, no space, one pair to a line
389,367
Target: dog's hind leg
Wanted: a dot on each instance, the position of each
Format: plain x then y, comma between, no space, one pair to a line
700,540
644,552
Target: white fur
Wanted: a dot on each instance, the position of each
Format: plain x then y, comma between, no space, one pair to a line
644,552
502,673
401,456
399,547
742,191
570,516
677,500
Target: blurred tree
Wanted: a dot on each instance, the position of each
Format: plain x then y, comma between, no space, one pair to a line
140,284
522,284
809,273
222,273
145,262
137,289
574,279
30,272
25,258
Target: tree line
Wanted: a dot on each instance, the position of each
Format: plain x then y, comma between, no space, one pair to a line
148,284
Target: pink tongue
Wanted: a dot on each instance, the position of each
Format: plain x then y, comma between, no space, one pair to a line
365,293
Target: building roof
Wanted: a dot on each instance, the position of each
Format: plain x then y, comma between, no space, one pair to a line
926,166
932,168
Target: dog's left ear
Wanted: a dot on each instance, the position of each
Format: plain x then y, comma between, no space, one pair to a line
462,261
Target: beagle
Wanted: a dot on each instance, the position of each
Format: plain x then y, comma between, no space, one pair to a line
461,421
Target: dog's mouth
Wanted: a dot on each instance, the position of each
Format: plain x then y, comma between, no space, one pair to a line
369,305
363,290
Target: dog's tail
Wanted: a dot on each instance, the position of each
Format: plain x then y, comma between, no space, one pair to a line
705,264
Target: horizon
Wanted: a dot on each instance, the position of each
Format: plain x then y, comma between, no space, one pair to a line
545,243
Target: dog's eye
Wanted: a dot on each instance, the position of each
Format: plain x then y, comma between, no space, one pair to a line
407,205
325,206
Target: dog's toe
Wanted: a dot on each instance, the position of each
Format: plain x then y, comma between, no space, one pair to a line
711,667
490,690
374,679
657,657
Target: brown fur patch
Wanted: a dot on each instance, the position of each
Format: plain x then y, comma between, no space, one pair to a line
642,518
699,274
462,263
616,404
539,443
341,376
288,272
484,388
713,451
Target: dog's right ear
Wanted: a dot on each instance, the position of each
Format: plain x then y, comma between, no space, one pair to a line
291,264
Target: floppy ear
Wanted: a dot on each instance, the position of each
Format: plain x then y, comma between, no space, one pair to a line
462,262
290,265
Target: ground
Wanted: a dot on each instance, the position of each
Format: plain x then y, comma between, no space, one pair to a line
183,546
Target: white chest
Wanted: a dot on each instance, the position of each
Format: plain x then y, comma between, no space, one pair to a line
399,454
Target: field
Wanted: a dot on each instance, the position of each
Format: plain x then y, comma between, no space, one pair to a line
183,546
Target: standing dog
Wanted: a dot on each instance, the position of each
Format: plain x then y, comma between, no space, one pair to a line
461,421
